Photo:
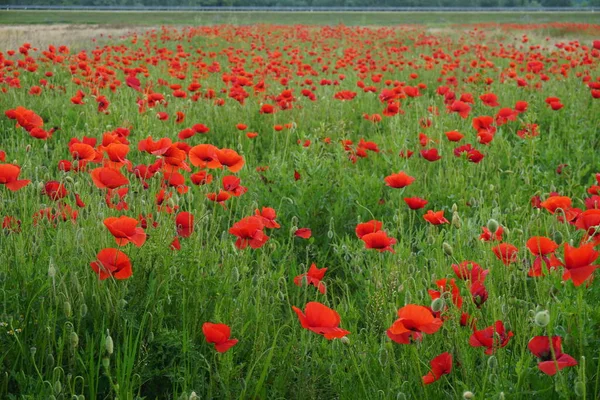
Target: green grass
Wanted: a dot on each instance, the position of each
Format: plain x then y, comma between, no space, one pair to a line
315,18
56,314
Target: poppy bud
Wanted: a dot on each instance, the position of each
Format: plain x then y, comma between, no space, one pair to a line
542,318
57,387
33,350
437,305
492,362
468,395
493,225
50,361
194,396
579,388
456,221
448,249
74,338
109,344
558,237
51,271
28,148
105,362
67,309
150,337
345,340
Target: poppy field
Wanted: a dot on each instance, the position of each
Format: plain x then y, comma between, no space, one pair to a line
302,212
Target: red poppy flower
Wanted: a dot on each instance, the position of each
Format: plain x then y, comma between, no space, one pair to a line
588,221
379,241
487,236
454,136
399,180
125,230
321,319
506,252
492,338
447,286
231,159
185,224
313,277
489,99
201,178
9,174
112,262
108,178
552,359
304,233
268,216
205,156
463,109
440,365
555,202
219,335
578,262
435,217
365,228
479,293
415,203
470,270
83,152
249,231
231,184
430,155
540,247
413,321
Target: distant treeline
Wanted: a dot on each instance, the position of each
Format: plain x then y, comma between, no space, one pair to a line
311,3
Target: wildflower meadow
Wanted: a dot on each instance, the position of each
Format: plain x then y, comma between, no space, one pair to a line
270,211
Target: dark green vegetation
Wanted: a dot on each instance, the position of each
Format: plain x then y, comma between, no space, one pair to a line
313,3
316,18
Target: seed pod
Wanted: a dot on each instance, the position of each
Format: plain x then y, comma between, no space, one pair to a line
57,387
558,237
448,249
492,225
67,309
542,318
109,344
438,304
74,338
51,270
